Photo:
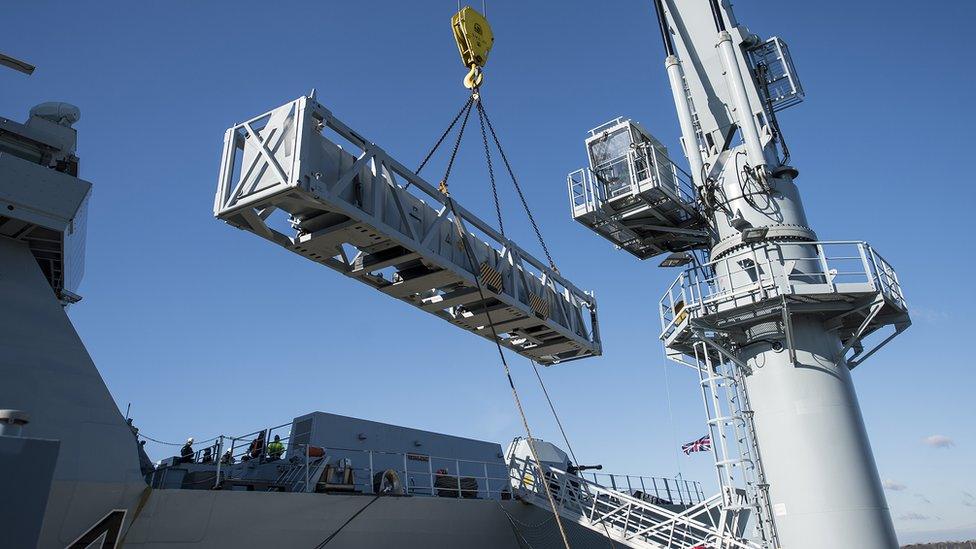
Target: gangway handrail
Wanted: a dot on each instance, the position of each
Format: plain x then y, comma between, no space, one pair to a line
625,518
673,491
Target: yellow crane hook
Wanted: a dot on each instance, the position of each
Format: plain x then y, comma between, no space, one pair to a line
474,40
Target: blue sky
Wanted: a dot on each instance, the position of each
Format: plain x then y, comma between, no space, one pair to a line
208,330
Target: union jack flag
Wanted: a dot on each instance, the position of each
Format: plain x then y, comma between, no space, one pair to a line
703,444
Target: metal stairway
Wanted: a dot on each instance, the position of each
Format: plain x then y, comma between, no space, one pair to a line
301,477
630,520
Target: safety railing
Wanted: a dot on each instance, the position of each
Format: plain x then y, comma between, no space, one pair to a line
415,473
623,517
421,474
659,490
583,197
226,451
254,445
774,269
639,171
778,74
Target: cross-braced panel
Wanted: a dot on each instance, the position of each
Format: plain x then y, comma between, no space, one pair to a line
303,179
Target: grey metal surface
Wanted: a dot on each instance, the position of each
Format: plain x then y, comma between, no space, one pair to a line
26,469
47,371
93,488
181,518
335,431
341,201
812,436
42,201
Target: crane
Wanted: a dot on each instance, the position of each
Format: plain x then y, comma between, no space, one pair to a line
771,319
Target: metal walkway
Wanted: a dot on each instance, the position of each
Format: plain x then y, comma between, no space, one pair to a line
628,518
341,201
853,289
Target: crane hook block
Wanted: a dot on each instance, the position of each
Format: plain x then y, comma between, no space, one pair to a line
473,36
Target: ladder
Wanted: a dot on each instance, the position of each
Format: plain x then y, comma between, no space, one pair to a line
732,431
631,520
293,478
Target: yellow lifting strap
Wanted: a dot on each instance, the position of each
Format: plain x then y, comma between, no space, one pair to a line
474,40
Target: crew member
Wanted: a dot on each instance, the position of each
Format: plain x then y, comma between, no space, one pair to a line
275,449
186,452
256,449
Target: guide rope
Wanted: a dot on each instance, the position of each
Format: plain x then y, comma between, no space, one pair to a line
508,374
545,391
469,253
332,536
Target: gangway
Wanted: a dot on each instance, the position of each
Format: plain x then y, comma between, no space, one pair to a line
342,201
631,520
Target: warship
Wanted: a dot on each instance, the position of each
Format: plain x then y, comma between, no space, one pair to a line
770,318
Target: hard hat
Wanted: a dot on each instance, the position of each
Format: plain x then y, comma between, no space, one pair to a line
189,440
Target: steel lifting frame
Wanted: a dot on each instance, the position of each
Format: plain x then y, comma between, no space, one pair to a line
347,209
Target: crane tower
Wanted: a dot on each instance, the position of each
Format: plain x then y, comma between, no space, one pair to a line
771,318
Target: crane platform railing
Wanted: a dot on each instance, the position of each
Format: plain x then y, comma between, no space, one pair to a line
834,277
645,177
627,519
640,200
301,178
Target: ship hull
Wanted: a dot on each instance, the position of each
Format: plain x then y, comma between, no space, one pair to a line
266,519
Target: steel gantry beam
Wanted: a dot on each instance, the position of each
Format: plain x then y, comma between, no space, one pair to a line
301,178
